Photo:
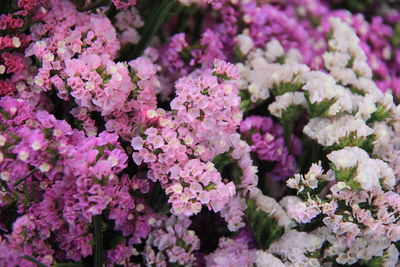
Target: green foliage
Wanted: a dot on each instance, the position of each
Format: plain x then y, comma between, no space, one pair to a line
289,118
265,229
153,23
351,140
221,76
238,55
285,87
395,40
355,90
307,191
379,115
347,176
374,262
318,109
225,163
245,102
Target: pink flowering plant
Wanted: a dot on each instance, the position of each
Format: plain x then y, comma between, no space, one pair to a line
199,133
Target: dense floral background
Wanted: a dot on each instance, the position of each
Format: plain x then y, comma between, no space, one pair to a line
199,133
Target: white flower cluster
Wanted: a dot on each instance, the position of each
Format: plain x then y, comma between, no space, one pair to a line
368,172
261,71
322,87
271,206
265,259
283,102
293,246
308,180
329,131
362,248
340,110
345,60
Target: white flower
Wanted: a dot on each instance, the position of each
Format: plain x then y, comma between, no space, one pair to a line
270,206
347,157
294,246
265,259
274,50
245,43
329,131
282,102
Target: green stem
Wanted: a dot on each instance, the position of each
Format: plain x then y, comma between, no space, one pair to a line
98,242
25,177
153,23
288,127
33,260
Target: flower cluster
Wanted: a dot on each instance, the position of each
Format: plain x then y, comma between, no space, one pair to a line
200,126
268,141
199,133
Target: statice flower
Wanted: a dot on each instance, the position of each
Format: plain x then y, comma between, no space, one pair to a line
232,252
180,152
295,248
267,140
127,23
32,145
286,102
134,134
268,60
171,243
13,66
179,57
271,207
346,129
351,230
97,83
123,4
126,118
64,35
265,259
352,165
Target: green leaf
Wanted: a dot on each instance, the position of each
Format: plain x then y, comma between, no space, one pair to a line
220,76
222,160
355,90
395,40
375,261
318,109
379,115
19,181
289,117
351,140
245,102
265,229
237,54
154,21
285,87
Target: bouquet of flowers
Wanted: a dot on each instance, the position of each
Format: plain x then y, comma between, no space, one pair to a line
224,133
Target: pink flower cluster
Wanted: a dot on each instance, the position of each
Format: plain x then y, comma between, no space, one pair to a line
201,125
